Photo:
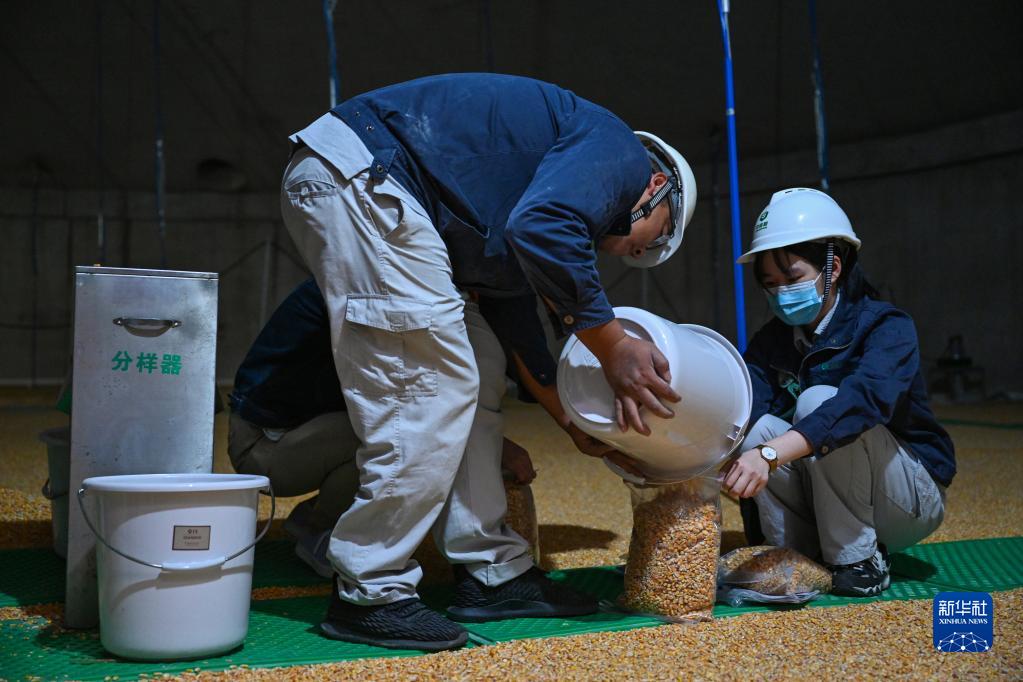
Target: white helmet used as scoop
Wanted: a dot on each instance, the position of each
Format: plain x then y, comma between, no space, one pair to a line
680,191
797,215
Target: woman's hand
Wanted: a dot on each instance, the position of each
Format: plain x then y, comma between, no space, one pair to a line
515,459
747,475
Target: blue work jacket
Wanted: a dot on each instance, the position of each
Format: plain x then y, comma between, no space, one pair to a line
520,177
288,376
869,351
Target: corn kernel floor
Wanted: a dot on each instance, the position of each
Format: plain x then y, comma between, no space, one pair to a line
585,521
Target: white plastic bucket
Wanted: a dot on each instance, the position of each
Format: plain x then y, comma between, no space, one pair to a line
174,561
706,370
58,456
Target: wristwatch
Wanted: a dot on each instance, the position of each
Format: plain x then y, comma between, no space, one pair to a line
770,456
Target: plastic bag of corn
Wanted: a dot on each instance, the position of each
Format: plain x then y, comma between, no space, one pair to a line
676,537
521,515
770,574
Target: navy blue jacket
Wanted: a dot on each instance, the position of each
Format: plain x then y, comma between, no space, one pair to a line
520,177
288,376
869,351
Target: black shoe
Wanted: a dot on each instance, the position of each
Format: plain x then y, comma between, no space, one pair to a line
531,595
405,624
867,578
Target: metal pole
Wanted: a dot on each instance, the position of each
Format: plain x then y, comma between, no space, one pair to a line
161,185
335,76
69,270
715,202
733,181
268,252
818,103
34,245
101,227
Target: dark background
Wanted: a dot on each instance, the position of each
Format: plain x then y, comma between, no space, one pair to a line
924,105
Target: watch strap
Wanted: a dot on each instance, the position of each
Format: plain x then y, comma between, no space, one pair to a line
772,464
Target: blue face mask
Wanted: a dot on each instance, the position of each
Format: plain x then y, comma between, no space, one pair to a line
795,304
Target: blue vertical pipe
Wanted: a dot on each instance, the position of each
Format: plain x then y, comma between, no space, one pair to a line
818,103
335,76
733,182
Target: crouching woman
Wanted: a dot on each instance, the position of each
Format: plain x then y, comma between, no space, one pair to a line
845,460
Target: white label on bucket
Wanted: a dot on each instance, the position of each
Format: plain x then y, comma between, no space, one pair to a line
191,537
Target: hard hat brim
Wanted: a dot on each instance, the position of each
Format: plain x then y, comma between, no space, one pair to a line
782,242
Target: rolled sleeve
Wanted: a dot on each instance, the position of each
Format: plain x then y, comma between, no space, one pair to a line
871,394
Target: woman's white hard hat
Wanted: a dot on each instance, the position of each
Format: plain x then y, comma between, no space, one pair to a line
797,215
685,183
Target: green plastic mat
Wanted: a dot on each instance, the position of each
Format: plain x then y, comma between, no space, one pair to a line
30,576
36,576
921,572
282,632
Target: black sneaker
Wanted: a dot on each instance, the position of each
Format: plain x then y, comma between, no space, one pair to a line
867,578
531,595
405,624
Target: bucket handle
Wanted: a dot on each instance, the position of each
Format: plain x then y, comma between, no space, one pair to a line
180,565
48,493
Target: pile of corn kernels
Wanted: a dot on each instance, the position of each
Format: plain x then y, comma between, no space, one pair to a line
585,516
676,535
773,570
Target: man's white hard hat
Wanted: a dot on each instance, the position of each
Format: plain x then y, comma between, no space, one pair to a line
797,215
685,186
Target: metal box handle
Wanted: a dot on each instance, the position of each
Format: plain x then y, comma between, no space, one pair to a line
146,326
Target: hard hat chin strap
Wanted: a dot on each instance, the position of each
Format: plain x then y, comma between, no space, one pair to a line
660,195
828,268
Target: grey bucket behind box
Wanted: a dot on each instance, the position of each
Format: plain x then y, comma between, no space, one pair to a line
58,455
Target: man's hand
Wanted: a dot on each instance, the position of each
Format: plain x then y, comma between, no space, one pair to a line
747,475
637,372
588,445
639,376
515,459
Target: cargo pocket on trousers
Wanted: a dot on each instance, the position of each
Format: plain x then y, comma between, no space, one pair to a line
389,347
902,485
386,210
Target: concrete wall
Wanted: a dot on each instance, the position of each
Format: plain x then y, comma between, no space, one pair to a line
940,214
239,236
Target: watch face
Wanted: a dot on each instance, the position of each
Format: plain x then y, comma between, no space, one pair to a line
769,453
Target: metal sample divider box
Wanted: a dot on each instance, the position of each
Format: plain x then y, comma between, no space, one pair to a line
143,393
